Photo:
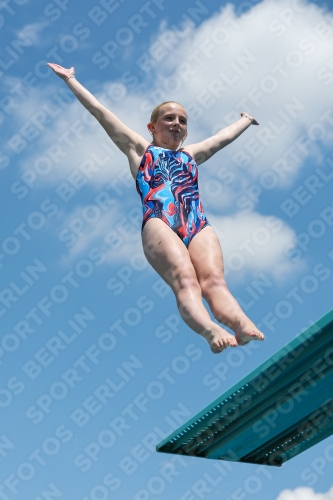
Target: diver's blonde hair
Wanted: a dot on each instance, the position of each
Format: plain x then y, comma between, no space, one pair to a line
156,111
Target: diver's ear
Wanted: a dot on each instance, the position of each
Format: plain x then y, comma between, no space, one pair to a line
151,130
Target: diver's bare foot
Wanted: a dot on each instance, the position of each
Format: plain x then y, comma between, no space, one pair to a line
219,339
246,332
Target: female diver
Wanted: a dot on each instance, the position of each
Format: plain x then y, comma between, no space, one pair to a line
177,239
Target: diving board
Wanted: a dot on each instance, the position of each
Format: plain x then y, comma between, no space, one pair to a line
279,410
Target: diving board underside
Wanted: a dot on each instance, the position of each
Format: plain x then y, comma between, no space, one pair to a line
279,410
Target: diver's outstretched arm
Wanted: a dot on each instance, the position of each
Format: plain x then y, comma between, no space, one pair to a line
125,138
202,151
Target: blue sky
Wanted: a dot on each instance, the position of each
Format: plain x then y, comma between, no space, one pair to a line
96,365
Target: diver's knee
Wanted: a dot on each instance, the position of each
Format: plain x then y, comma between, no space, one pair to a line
211,285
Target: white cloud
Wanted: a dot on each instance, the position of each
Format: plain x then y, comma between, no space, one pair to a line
33,31
305,494
115,233
266,63
253,243
76,134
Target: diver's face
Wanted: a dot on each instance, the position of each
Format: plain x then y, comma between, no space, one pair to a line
171,126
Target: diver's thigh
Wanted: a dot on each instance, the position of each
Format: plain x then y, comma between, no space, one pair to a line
166,253
206,254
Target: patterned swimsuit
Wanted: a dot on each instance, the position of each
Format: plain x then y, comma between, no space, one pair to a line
167,182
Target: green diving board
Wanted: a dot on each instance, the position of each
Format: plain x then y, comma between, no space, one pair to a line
279,410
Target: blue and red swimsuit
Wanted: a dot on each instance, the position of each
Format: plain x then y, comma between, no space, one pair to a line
167,182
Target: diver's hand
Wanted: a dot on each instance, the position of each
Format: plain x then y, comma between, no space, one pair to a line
252,120
63,73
